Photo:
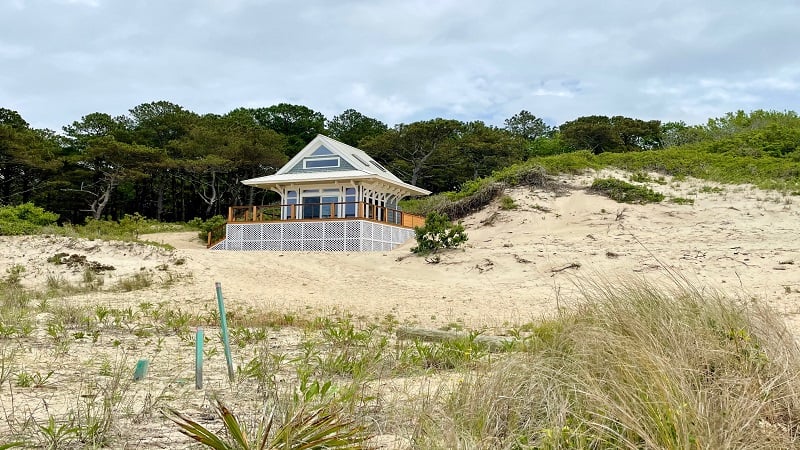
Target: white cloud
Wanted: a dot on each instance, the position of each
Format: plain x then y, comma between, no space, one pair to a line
402,61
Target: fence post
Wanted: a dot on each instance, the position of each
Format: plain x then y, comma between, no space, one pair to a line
223,320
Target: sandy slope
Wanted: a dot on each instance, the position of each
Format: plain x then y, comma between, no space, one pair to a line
741,240
518,265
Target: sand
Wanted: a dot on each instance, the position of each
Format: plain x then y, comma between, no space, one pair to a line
518,266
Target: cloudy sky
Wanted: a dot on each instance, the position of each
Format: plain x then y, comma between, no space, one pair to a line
402,60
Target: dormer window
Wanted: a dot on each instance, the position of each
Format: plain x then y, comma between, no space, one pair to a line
321,163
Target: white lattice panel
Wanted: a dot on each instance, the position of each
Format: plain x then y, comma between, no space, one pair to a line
275,246
293,246
293,232
350,236
352,245
353,229
234,232
272,231
334,230
334,245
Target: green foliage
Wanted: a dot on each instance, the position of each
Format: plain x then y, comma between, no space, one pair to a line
352,127
211,225
130,229
438,233
615,134
625,192
24,219
507,202
681,201
321,428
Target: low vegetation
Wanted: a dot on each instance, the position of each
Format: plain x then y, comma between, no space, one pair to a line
438,233
633,366
624,192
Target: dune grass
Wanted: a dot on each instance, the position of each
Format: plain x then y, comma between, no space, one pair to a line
636,366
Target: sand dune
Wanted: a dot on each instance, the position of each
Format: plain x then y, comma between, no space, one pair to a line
517,266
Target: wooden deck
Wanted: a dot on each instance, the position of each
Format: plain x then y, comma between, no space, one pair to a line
315,212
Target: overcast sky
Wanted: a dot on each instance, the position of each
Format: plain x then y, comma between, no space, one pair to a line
402,60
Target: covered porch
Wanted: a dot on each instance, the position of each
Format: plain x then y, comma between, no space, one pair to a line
324,211
315,213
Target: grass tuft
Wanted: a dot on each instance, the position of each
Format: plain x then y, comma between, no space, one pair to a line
624,192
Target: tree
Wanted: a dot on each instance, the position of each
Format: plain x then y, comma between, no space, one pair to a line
27,158
218,152
527,126
487,148
410,150
298,123
156,124
595,133
637,135
111,163
678,133
351,127
101,158
616,134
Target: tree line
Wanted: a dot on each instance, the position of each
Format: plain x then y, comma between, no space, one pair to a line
168,163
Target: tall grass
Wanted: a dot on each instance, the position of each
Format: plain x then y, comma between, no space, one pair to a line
637,366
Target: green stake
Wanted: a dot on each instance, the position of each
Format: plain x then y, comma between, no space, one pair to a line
141,369
224,324
198,359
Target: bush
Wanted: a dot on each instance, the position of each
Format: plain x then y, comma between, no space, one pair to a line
437,233
625,192
207,226
24,219
507,202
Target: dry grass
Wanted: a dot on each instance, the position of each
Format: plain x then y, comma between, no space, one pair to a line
637,366
633,366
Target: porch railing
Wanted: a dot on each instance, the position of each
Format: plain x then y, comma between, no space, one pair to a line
324,211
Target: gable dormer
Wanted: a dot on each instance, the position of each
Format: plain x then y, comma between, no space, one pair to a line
321,159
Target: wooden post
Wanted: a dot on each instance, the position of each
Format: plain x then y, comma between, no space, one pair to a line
291,212
223,321
198,359
255,212
230,213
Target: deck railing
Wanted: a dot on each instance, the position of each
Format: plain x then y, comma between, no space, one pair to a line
324,211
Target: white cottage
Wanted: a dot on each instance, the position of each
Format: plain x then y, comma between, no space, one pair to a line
334,197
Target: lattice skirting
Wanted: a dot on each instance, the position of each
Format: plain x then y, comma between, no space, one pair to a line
338,236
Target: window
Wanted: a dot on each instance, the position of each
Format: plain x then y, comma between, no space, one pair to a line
377,165
350,199
291,199
320,163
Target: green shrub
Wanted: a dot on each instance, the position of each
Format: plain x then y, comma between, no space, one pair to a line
26,218
207,226
625,192
681,201
437,233
507,202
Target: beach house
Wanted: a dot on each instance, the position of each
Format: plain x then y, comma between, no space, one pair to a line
333,197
